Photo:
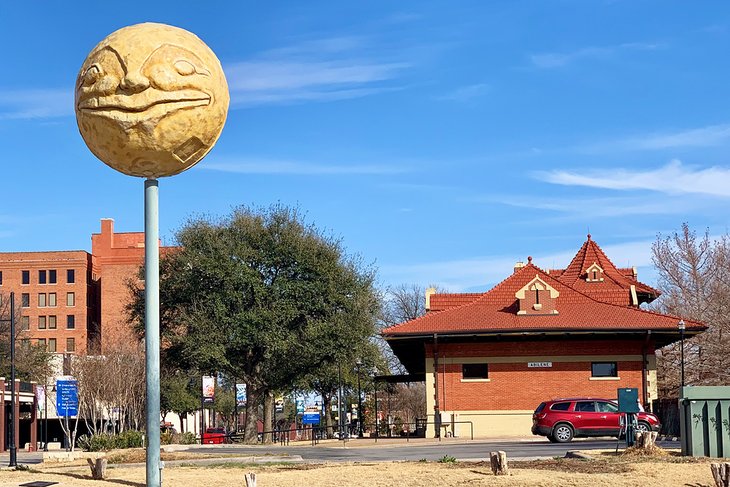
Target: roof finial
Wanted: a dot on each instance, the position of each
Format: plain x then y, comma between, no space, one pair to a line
589,236
529,259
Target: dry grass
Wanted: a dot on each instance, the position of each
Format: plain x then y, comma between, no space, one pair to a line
608,470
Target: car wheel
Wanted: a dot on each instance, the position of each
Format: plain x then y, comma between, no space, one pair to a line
643,427
563,433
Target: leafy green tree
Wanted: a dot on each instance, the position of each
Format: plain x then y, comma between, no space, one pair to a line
179,394
262,296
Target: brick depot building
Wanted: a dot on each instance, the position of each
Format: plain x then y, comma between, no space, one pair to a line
490,358
74,301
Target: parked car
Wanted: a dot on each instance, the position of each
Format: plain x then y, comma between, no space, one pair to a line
214,436
561,420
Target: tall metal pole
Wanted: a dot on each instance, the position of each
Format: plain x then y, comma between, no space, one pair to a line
152,327
359,404
45,416
375,386
13,448
681,325
340,409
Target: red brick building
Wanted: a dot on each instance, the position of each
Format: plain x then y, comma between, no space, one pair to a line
74,301
490,358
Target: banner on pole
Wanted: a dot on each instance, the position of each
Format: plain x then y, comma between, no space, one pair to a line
208,389
241,394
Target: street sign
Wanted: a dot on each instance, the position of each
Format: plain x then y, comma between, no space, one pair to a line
67,397
310,417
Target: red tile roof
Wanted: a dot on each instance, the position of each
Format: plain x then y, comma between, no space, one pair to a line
616,285
440,302
496,311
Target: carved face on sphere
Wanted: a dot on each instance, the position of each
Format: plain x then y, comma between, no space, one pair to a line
151,100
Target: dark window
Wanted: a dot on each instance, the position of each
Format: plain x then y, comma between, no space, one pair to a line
604,369
71,322
475,371
540,407
585,406
41,277
26,277
25,300
1,278
70,345
70,276
52,276
560,406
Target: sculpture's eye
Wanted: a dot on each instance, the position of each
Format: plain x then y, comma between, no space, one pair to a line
185,68
91,75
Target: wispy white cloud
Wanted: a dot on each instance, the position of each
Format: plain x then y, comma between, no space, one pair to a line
316,70
271,166
708,136
673,178
551,60
466,93
39,103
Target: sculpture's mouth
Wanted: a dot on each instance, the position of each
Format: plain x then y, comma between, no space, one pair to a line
141,102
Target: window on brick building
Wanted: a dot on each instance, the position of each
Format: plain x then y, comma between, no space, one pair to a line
25,344
70,299
52,322
51,344
70,276
25,277
70,344
52,276
475,371
25,300
604,369
41,322
1,278
41,300
41,277
24,323
51,299
42,342
71,322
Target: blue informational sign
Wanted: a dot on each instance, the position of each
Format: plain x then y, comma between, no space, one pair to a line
300,406
310,417
67,397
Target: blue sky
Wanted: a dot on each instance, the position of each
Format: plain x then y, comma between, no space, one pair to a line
442,141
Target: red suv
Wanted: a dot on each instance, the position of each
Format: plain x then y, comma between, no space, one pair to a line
214,436
563,419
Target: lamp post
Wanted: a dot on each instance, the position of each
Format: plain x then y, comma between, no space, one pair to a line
375,387
358,364
681,327
11,429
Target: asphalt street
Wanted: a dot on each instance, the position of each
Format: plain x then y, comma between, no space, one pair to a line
368,451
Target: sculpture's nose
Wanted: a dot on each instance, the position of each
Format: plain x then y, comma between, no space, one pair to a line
134,82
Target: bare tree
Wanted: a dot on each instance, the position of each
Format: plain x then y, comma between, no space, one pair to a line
694,277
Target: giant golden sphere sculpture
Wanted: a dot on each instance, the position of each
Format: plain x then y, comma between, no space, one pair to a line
151,100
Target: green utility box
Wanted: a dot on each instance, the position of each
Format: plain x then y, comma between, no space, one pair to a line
628,399
704,421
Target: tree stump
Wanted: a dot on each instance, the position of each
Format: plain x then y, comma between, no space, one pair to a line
645,440
721,474
250,479
98,468
498,460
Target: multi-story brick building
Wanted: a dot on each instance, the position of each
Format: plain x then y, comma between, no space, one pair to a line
490,358
74,301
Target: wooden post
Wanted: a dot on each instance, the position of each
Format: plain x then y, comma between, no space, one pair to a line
721,474
646,440
250,479
98,468
498,460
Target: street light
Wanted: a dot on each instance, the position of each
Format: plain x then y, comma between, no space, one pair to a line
681,327
375,387
358,364
11,428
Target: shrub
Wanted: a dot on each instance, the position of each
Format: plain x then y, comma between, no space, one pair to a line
447,459
106,442
129,439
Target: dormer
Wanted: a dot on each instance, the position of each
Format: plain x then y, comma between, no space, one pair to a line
594,273
537,298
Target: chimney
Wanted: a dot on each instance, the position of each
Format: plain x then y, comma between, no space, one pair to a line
518,265
429,292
